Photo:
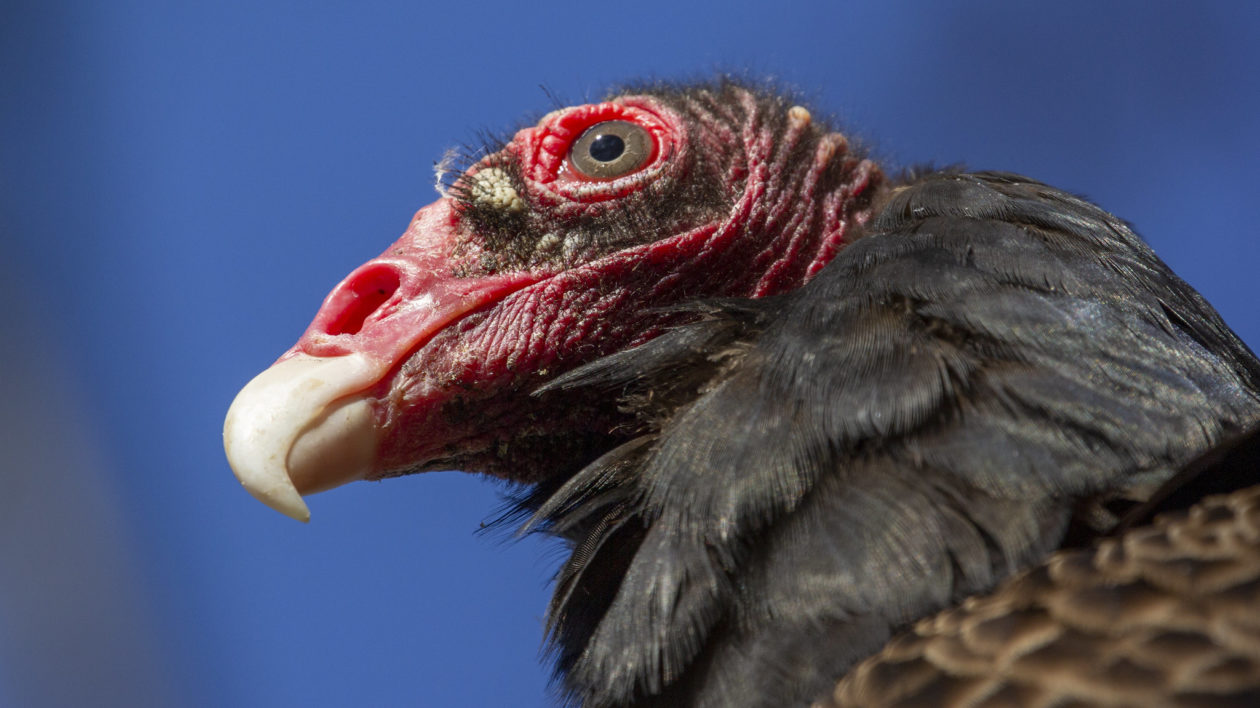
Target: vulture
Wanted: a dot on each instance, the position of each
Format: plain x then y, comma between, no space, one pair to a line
813,432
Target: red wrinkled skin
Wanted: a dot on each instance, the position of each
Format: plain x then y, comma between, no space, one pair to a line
459,355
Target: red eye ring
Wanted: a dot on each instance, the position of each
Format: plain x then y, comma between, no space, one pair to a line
548,147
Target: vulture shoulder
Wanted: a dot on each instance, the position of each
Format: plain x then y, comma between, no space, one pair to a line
992,364
1162,614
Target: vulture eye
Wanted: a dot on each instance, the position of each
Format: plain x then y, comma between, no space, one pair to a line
611,149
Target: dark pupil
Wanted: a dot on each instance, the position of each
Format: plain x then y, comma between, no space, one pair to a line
607,148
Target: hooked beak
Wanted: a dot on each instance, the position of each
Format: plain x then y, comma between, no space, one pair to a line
294,430
309,423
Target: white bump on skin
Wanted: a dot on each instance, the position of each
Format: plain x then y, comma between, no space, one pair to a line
548,244
552,244
493,187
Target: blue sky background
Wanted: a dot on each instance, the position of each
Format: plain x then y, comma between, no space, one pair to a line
182,183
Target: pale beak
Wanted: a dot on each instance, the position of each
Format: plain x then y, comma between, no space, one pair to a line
300,427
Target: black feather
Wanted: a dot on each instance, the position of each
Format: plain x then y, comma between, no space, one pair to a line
992,362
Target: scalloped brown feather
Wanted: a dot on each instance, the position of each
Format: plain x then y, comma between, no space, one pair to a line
1164,615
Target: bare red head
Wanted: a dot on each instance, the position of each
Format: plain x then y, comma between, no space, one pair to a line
567,244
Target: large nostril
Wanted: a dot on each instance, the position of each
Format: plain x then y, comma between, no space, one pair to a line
359,296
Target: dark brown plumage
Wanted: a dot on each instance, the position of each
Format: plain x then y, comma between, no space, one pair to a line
1163,615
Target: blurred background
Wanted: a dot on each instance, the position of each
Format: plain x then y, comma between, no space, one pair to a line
182,183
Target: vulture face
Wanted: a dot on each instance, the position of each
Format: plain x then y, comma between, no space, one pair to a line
566,244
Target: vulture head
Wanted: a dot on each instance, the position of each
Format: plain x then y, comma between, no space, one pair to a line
570,242
778,405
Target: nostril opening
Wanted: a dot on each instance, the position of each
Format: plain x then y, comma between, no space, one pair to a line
361,295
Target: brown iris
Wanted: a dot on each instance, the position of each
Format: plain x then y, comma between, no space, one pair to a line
611,149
